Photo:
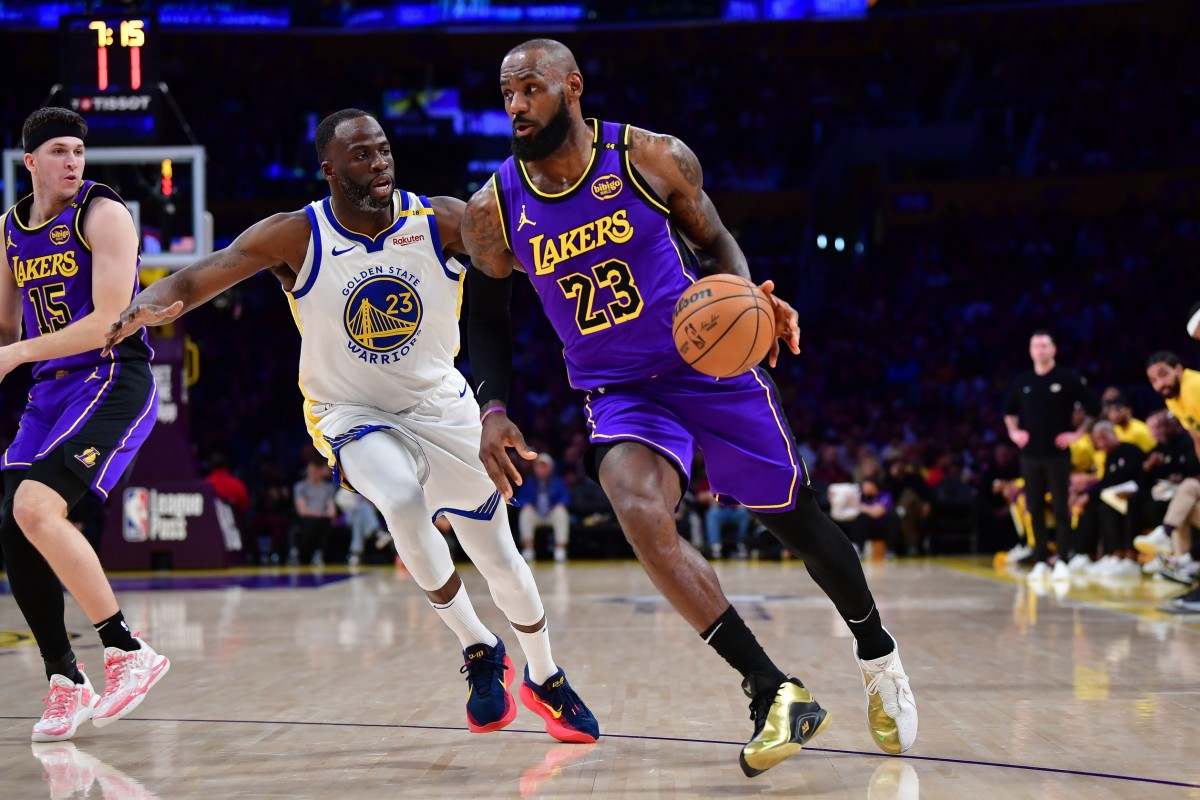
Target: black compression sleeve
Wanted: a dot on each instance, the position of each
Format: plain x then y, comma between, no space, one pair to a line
489,335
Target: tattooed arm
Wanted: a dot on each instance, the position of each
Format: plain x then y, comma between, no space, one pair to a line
674,173
278,243
483,235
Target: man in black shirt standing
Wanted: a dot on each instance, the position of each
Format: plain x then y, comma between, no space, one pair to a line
1038,417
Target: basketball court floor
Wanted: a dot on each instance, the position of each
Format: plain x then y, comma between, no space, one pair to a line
300,684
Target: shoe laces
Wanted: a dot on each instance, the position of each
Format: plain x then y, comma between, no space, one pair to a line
760,707
58,701
564,697
482,672
889,682
116,669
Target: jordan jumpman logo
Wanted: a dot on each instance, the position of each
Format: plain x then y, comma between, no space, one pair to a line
524,220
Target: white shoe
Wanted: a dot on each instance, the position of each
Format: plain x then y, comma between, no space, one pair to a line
1017,553
1061,572
68,705
891,706
1154,566
354,560
1181,569
1155,543
1124,570
527,554
560,554
128,677
1100,568
1039,574
1079,564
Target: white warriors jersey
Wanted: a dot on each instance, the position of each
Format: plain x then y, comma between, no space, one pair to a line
378,316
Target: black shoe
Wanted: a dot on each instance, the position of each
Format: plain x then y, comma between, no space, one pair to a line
784,720
1185,604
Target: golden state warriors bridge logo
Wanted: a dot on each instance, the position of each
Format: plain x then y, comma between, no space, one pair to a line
383,314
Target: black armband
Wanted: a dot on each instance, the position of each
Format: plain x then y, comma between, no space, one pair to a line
489,335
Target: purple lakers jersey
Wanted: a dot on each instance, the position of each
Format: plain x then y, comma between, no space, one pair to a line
52,266
604,260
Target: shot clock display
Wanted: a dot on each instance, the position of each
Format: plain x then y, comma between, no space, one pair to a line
108,73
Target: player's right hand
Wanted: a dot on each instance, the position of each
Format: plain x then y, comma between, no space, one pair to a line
1020,438
138,316
499,434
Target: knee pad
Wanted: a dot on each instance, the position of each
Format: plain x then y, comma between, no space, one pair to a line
404,505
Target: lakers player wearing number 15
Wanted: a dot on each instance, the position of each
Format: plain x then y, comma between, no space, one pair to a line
374,289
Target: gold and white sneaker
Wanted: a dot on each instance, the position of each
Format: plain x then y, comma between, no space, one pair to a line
891,706
784,721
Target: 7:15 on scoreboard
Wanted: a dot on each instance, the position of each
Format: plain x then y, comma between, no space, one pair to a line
133,36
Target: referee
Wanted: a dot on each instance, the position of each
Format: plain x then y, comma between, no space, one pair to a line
1038,415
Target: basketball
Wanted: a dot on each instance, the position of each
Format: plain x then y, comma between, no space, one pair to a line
723,325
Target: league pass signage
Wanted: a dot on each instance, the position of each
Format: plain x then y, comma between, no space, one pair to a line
152,516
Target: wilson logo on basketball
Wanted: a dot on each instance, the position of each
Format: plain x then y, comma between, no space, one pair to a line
59,234
687,300
401,241
606,187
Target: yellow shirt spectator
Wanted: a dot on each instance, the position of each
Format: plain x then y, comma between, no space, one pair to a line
1084,456
1186,407
1136,432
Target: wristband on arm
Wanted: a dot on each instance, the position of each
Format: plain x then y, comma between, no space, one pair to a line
489,336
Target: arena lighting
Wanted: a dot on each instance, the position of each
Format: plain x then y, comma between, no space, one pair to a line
839,244
859,247
822,242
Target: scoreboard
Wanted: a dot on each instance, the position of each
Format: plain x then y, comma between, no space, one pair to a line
109,74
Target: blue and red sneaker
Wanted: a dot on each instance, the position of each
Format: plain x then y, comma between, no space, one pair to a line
489,673
567,718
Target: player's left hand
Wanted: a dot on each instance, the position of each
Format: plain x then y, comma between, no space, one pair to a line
9,360
137,316
787,323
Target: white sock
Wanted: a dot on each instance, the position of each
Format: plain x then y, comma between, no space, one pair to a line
459,616
536,647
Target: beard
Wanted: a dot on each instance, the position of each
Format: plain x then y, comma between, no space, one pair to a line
360,195
543,143
1170,392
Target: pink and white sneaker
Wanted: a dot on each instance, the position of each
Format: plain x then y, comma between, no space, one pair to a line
128,677
68,704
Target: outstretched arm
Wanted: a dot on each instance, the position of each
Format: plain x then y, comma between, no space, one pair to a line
675,173
489,336
281,238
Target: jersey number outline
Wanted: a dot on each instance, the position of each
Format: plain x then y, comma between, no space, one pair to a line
52,314
613,273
